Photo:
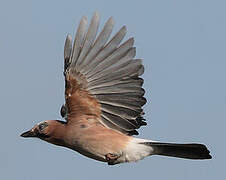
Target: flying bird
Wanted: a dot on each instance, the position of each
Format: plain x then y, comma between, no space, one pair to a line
104,99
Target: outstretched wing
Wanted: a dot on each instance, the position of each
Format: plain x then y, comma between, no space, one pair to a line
102,77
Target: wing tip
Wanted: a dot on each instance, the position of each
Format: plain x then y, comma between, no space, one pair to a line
67,50
96,13
124,28
68,42
111,20
96,17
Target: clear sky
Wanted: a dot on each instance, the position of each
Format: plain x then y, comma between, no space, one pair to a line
183,44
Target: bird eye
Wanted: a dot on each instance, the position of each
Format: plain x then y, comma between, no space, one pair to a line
42,126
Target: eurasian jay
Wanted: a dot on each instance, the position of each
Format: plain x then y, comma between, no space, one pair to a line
103,101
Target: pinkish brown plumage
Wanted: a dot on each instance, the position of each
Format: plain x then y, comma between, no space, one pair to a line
103,101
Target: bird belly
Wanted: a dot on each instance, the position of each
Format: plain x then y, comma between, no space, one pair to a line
90,154
97,142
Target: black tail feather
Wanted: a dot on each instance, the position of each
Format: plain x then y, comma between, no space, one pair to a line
188,151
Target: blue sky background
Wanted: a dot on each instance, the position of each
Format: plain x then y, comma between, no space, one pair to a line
183,45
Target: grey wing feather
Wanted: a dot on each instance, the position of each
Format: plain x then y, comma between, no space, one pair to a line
67,51
90,37
106,51
124,102
100,41
111,73
109,124
132,69
68,47
118,121
138,82
117,54
116,89
78,42
113,64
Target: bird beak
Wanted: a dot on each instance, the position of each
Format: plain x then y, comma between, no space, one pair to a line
29,133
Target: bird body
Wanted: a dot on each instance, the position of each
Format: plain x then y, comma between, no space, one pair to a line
103,101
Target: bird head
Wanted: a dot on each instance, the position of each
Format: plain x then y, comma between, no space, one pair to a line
50,130
41,130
